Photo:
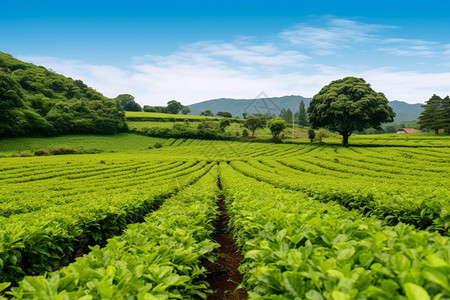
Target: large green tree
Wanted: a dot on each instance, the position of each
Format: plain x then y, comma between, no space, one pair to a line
436,114
348,105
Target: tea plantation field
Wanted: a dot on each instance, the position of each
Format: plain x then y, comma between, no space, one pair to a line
371,221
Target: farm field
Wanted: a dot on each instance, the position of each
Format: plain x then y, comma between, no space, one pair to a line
311,221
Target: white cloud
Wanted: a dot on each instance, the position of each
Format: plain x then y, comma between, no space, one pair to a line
243,68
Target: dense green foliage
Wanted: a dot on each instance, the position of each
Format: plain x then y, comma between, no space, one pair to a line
120,191
297,248
313,222
349,104
302,116
252,123
128,103
224,114
207,113
276,126
157,259
287,115
436,114
34,100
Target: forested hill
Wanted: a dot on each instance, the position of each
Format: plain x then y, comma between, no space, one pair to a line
37,101
250,106
404,111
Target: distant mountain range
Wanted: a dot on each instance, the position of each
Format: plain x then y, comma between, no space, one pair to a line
273,105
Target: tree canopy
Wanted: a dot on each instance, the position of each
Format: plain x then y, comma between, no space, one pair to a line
436,114
128,103
174,107
185,110
347,105
224,114
207,113
302,116
253,122
276,126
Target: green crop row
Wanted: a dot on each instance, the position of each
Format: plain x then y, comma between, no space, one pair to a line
295,247
157,259
423,207
35,242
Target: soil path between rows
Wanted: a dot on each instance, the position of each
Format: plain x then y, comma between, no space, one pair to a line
225,276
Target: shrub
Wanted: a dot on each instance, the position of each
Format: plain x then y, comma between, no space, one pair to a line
41,153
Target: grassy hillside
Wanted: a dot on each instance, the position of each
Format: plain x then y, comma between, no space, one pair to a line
39,101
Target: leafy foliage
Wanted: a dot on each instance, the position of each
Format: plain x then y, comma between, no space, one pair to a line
35,101
224,114
436,114
128,103
276,126
33,242
297,248
302,116
157,259
207,113
254,122
349,104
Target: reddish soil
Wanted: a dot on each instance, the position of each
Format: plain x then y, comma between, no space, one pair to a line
224,276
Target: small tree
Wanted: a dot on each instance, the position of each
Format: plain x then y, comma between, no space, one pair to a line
302,117
185,110
224,124
245,133
348,105
311,135
224,114
207,113
320,136
276,126
174,107
244,115
252,123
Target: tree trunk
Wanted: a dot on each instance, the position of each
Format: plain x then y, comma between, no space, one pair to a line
436,131
345,135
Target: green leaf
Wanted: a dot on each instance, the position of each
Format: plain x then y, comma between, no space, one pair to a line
437,277
313,295
346,253
415,292
4,285
336,295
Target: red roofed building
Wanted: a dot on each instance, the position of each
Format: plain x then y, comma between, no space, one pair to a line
407,130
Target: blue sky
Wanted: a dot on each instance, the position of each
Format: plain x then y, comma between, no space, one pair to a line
198,50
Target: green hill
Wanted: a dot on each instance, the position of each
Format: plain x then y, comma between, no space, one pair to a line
404,111
37,101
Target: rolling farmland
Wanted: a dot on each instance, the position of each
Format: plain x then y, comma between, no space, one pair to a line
311,221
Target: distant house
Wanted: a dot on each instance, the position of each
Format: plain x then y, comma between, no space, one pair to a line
407,130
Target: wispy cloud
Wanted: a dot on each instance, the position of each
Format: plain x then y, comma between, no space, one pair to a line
337,33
